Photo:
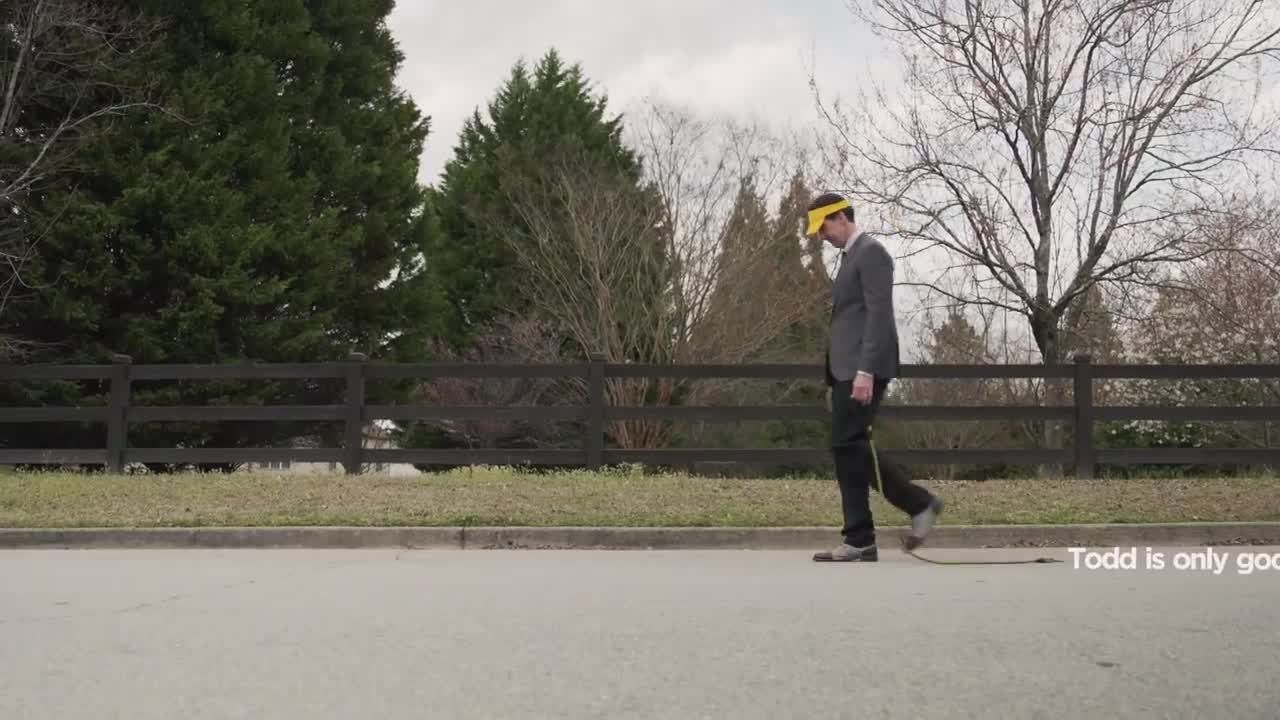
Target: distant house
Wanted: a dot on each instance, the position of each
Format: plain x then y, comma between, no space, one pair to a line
375,438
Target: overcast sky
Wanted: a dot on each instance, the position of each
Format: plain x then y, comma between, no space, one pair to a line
747,58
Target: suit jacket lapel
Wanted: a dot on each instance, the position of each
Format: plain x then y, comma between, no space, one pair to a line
856,242
846,256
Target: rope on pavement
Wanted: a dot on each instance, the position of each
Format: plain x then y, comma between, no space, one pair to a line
913,554
875,464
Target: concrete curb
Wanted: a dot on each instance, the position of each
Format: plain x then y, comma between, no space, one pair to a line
644,538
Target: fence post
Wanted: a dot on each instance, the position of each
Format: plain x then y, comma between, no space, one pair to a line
118,419
594,441
1083,395
353,442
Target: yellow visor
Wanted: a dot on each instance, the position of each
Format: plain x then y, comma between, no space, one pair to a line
817,215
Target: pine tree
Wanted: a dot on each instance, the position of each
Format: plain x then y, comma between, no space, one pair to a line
272,213
735,302
535,120
954,341
1089,328
800,258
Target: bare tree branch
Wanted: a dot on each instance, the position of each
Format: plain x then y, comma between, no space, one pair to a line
1053,146
676,269
61,64
1224,308
509,340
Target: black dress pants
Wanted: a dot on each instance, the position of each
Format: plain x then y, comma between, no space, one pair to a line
858,467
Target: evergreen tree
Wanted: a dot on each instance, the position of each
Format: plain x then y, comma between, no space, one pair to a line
535,120
800,258
271,214
61,67
957,342
735,305
1089,328
954,341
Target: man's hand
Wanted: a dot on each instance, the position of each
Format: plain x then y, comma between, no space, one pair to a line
862,386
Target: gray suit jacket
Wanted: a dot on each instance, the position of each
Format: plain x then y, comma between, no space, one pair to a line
864,332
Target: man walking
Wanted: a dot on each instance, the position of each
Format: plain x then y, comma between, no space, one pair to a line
861,362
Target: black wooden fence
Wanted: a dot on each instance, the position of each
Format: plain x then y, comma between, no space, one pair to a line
355,414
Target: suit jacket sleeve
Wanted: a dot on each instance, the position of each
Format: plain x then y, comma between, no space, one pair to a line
876,274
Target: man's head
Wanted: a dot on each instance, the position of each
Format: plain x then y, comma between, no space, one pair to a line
831,218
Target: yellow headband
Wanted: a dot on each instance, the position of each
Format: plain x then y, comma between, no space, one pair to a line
817,215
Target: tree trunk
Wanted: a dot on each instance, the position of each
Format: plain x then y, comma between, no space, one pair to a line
1045,327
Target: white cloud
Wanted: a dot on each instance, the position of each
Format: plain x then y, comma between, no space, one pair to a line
749,59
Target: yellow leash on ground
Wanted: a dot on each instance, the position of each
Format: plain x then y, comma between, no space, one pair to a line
875,463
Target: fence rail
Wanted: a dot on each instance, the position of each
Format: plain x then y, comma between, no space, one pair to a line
118,414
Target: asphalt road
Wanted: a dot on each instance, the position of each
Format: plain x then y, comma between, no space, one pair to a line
627,634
